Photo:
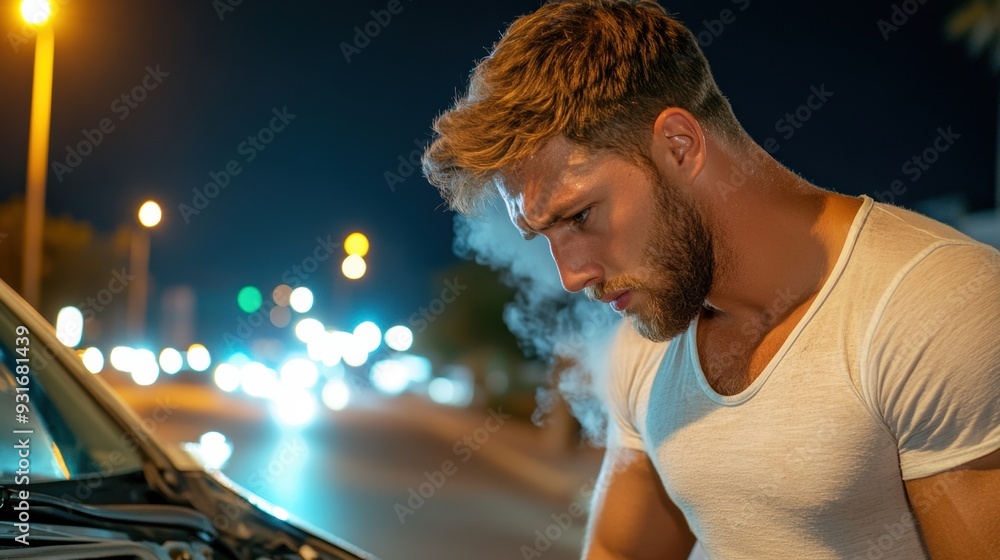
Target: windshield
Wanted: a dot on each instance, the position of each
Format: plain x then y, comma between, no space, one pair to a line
51,428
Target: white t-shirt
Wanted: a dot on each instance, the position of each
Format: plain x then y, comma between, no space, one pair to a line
893,374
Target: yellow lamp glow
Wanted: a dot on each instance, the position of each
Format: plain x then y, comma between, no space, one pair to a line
36,12
150,214
356,244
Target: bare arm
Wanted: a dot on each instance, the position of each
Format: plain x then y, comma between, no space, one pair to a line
959,510
632,516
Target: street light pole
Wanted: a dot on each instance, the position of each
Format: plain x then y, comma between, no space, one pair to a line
38,154
138,291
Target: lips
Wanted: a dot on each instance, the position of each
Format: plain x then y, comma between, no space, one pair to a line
619,300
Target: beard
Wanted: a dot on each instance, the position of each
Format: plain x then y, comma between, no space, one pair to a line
679,267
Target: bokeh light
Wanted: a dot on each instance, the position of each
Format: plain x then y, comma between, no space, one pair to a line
418,367
150,214
327,348
368,335
171,361
455,388
227,377
354,267
214,450
316,348
198,357
309,329
121,358
390,377
301,299
399,338
280,316
294,407
336,394
258,380
144,369
356,244
69,326
93,360
354,356
299,373
211,450
280,294
330,354
441,390
249,299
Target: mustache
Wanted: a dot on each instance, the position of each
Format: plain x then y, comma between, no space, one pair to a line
618,284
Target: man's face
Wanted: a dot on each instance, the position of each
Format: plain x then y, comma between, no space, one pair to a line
620,232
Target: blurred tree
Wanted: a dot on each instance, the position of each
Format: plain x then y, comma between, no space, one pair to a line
470,331
978,24
472,321
79,267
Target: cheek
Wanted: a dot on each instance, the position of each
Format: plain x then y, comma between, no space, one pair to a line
634,232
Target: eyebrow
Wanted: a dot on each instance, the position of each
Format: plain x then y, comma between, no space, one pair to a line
558,215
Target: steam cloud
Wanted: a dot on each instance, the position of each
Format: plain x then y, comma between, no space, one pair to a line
568,330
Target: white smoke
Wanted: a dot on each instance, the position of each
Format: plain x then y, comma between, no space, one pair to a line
555,325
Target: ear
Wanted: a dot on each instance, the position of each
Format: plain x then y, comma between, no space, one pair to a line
679,144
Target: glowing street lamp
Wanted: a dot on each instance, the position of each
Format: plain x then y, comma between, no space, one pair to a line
37,13
150,214
138,293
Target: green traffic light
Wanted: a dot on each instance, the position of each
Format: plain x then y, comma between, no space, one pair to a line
249,299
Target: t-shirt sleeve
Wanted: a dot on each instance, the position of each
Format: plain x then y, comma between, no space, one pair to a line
934,365
621,375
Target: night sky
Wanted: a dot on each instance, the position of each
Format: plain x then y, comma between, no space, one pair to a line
220,79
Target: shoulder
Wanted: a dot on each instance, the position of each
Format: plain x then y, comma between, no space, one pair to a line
907,227
950,290
894,236
946,275
899,250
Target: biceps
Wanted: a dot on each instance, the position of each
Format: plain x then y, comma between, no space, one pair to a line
632,515
959,512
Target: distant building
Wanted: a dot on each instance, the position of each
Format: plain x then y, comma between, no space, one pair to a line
177,315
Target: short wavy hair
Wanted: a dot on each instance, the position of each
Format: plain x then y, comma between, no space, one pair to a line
596,71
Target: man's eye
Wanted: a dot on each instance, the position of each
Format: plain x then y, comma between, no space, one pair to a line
581,217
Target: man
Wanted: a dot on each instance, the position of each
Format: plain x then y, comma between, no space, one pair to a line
817,375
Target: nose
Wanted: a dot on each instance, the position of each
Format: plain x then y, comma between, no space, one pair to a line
577,270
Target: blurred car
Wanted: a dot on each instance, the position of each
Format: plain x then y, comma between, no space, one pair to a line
80,477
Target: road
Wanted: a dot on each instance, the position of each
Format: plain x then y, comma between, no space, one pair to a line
402,478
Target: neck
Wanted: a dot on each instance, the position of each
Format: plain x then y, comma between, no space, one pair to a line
777,237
